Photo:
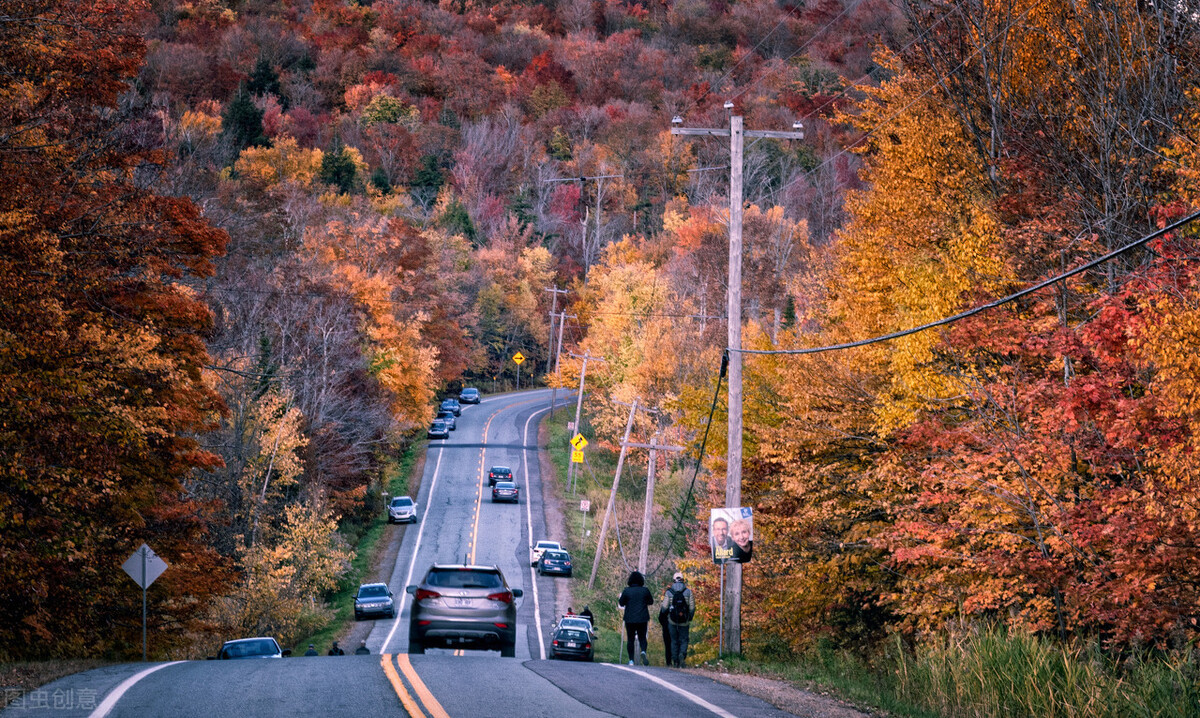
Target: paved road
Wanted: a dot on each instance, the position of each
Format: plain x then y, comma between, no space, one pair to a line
458,522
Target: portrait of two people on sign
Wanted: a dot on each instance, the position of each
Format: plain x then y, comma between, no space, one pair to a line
731,534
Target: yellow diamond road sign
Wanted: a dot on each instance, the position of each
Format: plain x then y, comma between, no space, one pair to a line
518,357
576,456
579,442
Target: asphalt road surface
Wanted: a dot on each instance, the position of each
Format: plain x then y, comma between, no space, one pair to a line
457,523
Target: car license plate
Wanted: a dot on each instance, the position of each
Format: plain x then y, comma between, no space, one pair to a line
462,603
571,644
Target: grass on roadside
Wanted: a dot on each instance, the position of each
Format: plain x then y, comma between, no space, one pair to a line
342,603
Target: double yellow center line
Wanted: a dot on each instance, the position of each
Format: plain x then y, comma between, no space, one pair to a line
431,705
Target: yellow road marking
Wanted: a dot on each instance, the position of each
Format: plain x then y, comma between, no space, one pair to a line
479,485
435,709
405,699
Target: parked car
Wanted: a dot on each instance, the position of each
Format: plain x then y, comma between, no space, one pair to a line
470,395
572,620
570,642
438,430
499,473
506,491
402,509
451,405
449,418
374,599
461,606
261,647
556,562
536,552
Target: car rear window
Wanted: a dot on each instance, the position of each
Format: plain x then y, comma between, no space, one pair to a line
572,635
463,578
556,555
505,485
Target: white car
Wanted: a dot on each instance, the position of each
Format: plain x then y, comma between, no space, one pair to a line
574,621
402,508
539,547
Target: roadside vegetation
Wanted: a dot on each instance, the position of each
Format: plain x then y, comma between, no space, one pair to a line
982,671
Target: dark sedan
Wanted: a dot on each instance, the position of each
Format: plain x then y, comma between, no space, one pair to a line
571,643
499,473
451,405
506,491
374,599
556,562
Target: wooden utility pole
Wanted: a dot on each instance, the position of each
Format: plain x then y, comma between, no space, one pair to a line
732,592
562,320
612,497
647,513
554,292
578,409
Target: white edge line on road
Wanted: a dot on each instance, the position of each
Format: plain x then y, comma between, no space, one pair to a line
537,611
666,684
412,560
110,701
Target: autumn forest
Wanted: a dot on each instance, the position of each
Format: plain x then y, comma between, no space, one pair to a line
245,245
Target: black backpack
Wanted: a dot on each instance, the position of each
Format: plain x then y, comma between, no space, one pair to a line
679,608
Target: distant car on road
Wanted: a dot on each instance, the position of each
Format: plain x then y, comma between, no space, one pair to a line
499,473
556,562
374,599
261,647
572,620
438,430
402,509
451,405
506,491
462,606
536,552
470,395
449,418
569,642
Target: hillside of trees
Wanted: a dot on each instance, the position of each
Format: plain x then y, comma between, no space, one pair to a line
246,244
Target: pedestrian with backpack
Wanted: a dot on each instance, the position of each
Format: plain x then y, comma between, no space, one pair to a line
680,606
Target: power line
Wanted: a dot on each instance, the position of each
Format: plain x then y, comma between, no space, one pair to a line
990,305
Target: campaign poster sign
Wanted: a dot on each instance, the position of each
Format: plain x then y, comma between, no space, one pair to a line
731,534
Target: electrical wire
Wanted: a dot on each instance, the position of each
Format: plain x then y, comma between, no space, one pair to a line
990,305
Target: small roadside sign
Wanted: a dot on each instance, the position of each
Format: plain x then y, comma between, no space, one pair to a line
518,358
579,442
576,456
147,572
585,505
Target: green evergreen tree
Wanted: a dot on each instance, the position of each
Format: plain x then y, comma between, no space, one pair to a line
337,167
456,220
379,180
429,176
241,122
264,80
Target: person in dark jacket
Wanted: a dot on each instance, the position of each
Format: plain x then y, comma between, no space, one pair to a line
666,633
636,599
587,613
336,650
679,625
362,649
312,650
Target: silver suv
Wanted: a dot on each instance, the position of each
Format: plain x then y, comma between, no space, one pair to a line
460,606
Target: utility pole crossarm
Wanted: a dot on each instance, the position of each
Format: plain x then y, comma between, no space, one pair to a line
702,131
659,447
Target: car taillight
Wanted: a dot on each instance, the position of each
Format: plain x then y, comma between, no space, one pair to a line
424,593
503,597
566,563
500,625
555,642
587,645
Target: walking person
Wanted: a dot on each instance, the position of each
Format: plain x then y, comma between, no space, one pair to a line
680,606
636,599
666,633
